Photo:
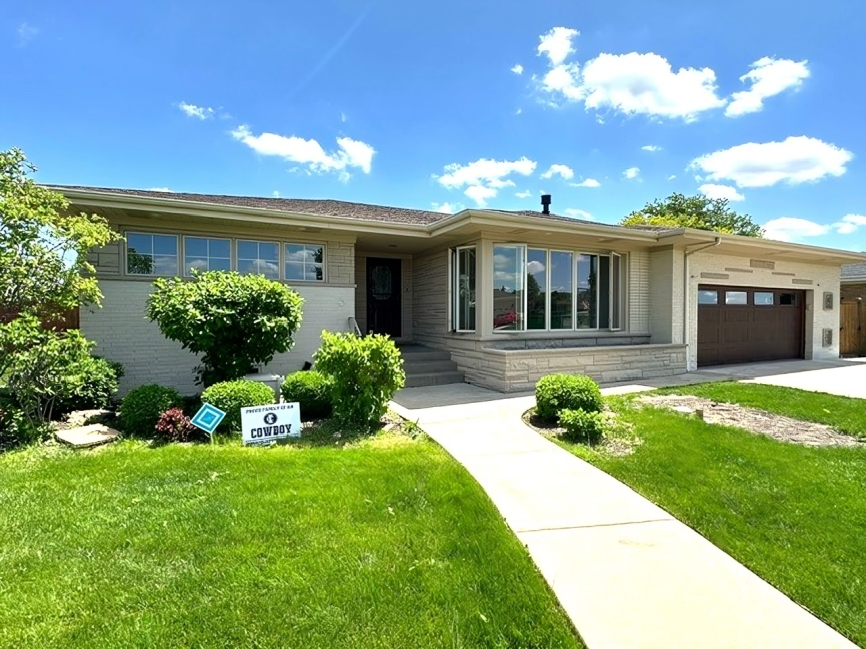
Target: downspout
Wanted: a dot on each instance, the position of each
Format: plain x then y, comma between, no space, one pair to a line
689,253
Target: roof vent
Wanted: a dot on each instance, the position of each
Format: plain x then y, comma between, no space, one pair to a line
545,203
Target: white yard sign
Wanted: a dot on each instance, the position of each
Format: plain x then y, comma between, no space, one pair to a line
266,424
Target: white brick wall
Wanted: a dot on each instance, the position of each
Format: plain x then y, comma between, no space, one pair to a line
784,275
637,292
123,334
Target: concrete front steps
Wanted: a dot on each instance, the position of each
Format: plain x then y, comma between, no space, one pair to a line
425,366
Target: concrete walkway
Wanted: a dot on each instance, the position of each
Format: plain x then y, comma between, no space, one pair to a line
628,574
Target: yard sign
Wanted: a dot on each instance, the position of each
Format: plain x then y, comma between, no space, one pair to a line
208,418
266,424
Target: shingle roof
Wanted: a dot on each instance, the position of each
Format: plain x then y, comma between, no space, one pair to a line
324,207
854,270
344,209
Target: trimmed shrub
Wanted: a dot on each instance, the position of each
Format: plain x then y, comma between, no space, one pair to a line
99,384
556,392
231,396
366,373
234,321
312,390
141,408
582,426
174,426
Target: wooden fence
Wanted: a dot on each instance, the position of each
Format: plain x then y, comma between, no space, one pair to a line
852,333
69,320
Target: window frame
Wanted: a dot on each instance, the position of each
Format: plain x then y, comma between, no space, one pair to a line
621,302
231,257
178,252
278,244
455,289
284,255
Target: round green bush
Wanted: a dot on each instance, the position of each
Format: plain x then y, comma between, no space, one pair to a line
312,390
582,426
231,396
556,392
141,408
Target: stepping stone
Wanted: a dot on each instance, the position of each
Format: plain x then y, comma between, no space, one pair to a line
84,436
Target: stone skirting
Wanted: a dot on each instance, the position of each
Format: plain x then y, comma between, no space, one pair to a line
518,369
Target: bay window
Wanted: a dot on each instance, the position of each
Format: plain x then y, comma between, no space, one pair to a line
537,289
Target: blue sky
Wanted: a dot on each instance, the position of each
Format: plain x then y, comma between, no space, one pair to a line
447,105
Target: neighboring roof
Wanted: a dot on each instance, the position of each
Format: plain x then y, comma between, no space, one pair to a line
854,271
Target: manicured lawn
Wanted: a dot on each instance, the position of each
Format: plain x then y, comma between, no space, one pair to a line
794,515
843,414
381,543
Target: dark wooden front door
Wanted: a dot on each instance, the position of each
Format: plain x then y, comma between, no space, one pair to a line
384,296
739,324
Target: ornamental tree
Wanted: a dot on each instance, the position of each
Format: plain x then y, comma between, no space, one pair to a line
234,321
43,245
700,212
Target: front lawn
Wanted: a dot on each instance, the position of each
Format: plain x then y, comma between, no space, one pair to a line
795,515
381,543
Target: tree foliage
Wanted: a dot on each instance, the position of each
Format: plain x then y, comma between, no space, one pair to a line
234,321
699,212
43,245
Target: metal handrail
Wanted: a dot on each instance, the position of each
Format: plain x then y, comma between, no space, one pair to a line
355,328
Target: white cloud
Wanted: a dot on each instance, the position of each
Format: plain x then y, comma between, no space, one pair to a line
448,208
646,84
768,77
631,173
794,161
534,267
589,182
484,177
517,69
276,194
850,223
578,214
562,170
351,153
525,194
651,148
721,191
789,228
480,194
556,44
159,189
672,176
200,112
26,33
632,83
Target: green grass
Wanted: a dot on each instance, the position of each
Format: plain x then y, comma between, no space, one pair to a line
842,413
380,543
794,515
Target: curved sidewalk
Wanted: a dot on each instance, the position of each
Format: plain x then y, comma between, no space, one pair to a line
628,574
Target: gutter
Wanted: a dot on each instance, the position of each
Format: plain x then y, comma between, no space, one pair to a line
686,255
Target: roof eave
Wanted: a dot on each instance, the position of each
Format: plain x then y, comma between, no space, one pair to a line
210,210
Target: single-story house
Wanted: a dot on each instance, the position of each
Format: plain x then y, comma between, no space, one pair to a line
854,281
502,297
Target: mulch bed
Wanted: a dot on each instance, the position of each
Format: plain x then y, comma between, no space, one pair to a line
779,427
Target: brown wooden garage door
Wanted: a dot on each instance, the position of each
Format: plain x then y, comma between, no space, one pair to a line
743,325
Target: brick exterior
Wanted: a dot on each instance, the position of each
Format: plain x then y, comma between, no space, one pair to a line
123,334
727,270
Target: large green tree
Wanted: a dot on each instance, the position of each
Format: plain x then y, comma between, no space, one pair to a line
699,212
43,244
